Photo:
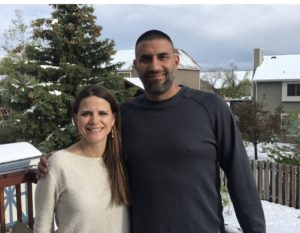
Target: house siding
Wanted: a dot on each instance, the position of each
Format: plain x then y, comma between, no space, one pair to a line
188,78
270,93
291,107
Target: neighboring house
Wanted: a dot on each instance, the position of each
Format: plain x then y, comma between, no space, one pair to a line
187,74
276,81
2,77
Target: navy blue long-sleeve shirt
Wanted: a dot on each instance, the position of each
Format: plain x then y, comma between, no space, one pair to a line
173,150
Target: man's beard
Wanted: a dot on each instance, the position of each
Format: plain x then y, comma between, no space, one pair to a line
156,88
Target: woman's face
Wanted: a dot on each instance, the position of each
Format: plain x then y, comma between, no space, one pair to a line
94,120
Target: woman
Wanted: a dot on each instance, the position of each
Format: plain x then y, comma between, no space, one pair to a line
86,189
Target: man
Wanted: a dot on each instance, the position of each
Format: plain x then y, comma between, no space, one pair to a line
174,141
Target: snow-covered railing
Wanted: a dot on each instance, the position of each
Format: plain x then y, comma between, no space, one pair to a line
16,178
278,183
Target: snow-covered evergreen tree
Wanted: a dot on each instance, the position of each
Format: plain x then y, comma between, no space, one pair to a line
67,55
14,86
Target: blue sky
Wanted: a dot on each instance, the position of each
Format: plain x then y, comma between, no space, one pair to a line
215,35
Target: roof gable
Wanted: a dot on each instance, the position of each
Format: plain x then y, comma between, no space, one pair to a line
125,56
278,68
136,82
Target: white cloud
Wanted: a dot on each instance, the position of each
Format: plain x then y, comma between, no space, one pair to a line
213,34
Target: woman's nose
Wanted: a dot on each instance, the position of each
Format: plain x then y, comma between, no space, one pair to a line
94,118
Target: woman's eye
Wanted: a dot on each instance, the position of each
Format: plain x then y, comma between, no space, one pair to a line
102,113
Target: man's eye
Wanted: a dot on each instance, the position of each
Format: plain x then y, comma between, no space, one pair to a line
164,57
85,114
145,59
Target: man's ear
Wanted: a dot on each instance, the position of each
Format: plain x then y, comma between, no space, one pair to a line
134,61
177,59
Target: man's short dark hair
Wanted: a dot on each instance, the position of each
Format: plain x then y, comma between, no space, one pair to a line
153,34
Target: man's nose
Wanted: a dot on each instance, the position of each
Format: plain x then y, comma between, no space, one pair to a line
155,64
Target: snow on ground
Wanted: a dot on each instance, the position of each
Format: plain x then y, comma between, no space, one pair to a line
261,151
279,218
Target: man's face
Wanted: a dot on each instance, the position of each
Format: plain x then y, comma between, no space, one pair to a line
156,64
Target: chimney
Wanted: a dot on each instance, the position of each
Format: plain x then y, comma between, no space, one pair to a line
258,57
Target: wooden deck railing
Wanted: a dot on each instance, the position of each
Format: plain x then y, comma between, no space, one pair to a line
16,178
277,183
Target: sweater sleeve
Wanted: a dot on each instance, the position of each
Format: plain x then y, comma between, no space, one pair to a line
234,161
45,201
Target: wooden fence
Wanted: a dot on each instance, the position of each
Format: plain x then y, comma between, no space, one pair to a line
278,183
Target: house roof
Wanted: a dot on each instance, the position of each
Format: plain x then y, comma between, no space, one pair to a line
240,75
136,82
2,77
127,56
278,68
186,62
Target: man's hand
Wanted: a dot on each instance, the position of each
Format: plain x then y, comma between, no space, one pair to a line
43,166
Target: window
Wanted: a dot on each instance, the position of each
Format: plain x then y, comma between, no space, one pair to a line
125,74
293,89
290,123
290,92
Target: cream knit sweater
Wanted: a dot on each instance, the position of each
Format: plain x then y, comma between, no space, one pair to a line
76,191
